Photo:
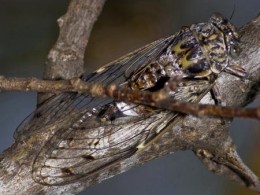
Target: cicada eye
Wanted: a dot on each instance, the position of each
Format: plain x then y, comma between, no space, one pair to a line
216,18
235,50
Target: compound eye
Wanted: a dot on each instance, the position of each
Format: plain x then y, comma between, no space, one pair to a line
217,18
235,50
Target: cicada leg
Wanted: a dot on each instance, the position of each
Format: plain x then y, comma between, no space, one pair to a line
216,94
237,71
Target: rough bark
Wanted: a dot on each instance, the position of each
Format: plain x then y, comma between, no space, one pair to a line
66,58
207,137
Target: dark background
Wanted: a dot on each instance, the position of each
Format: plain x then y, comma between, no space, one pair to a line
28,31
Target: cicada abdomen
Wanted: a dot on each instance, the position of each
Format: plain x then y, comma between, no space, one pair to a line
92,133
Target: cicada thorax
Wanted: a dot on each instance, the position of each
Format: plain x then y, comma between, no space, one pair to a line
196,52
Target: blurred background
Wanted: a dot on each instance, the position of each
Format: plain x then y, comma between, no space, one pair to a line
28,31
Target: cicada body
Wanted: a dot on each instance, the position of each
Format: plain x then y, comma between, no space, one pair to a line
89,134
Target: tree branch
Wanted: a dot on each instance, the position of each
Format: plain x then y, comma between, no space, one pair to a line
211,143
65,61
158,99
66,58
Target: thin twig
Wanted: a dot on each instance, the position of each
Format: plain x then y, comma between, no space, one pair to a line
158,99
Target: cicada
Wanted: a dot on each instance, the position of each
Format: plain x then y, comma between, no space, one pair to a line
89,134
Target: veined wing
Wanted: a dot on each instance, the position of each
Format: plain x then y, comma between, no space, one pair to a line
93,144
67,106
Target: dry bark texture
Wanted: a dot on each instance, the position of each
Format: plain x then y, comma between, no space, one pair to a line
211,143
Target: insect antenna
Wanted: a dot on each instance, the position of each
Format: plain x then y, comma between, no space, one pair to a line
232,14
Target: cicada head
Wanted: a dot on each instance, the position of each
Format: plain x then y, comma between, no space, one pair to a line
205,48
230,33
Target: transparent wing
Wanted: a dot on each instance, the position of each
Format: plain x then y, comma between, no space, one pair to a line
91,144
120,70
81,142
71,106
